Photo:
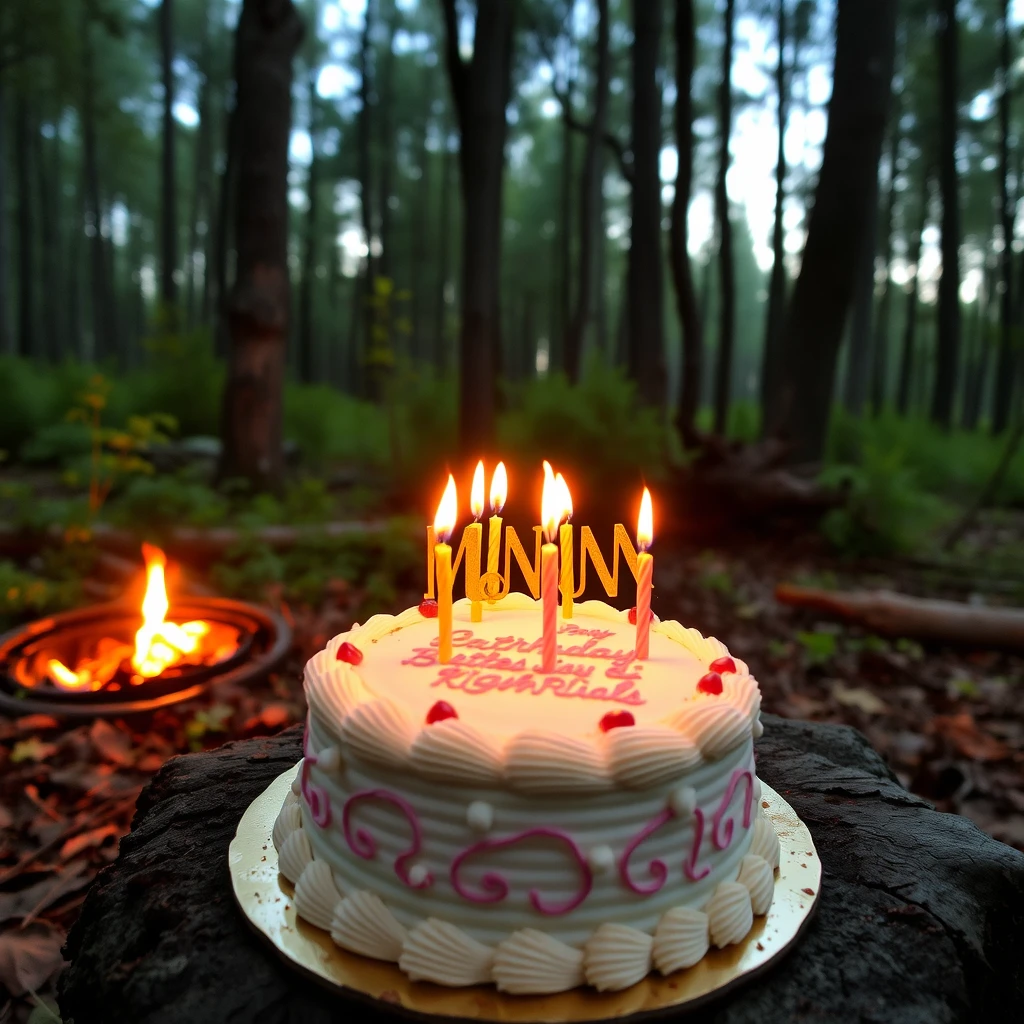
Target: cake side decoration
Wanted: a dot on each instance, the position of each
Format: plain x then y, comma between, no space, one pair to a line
362,843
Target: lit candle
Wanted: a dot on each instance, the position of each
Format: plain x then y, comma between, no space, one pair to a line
499,494
444,523
567,576
476,506
644,576
550,515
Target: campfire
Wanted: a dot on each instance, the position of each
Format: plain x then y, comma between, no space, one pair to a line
113,658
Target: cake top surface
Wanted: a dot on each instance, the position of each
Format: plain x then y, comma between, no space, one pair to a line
490,716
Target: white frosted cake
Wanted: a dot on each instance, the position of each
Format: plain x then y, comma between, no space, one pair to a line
484,822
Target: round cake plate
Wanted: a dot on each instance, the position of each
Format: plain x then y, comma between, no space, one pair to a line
265,898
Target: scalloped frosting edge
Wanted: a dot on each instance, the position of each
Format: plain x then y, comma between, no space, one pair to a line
528,961
351,710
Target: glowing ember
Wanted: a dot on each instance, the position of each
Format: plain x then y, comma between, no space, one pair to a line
159,645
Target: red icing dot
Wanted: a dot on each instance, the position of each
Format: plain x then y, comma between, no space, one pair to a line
428,609
632,616
615,720
350,653
723,665
710,683
440,711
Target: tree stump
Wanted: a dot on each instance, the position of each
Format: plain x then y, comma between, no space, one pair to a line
921,916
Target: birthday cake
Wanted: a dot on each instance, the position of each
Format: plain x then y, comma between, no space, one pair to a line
484,821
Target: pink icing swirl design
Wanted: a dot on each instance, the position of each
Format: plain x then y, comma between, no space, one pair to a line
362,844
317,800
656,867
690,869
494,886
720,836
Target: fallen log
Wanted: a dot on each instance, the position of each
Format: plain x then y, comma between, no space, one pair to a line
892,614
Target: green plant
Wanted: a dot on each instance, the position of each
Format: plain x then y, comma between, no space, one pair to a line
25,595
819,646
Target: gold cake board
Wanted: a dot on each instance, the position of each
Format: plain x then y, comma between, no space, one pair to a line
265,898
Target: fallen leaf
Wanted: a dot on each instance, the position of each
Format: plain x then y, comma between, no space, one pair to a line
858,697
112,744
963,732
32,749
30,956
36,898
275,715
36,723
85,840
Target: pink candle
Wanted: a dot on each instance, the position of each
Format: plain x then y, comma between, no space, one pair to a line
549,599
644,577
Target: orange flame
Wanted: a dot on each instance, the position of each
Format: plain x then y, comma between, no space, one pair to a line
476,494
552,503
645,522
499,488
447,512
564,497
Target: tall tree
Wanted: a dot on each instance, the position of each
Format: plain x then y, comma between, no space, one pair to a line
1005,375
906,370
268,36
865,45
723,222
948,349
480,92
590,193
682,269
444,231
645,289
168,183
858,365
202,172
307,371
27,342
386,142
364,164
49,194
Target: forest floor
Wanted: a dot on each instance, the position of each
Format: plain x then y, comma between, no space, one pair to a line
950,722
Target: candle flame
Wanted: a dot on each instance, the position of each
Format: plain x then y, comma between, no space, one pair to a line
564,497
499,488
447,512
645,522
550,504
476,494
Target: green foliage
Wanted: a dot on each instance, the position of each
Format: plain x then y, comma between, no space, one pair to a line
25,595
819,646
157,503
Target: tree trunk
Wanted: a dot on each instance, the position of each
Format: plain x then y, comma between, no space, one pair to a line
865,45
974,391
48,175
480,89
590,200
726,270
880,348
201,177
268,35
645,290
168,184
226,205
910,325
601,334
444,231
386,143
858,367
770,358
1005,375
420,240
307,372
6,338
948,349
116,336
364,163
682,268
561,278
27,341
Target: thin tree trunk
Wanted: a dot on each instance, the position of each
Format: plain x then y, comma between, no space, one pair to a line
116,334
307,371
6,338
28,345
387,145
726,271
590,200
74,285
480,89
135,256
880,348
974,391
419,245
645,295
440,343
858,367
862,80
561,278
777,285
364,142
682,268
948,311
601,333
910,325
268,36
1006,373
168,184
48,175
201,177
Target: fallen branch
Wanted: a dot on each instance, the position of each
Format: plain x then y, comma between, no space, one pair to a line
886,612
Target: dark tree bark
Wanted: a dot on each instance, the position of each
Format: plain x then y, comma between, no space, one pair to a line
910,325
27,340
723,220
48,176
168,184
307,370
948,349
590,200
777,285
865,45
268,35
386,144
880,347
682,268
218,295
645,298
444,231
6,343
858,366
480,91
1006,372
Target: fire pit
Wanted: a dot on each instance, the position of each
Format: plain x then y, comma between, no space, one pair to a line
112,659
